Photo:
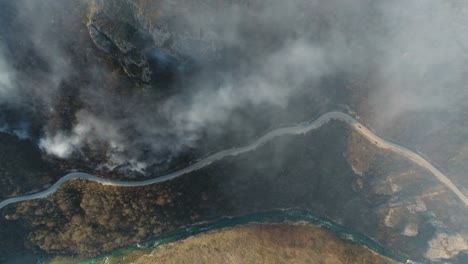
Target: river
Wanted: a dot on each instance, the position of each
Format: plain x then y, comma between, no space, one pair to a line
269,217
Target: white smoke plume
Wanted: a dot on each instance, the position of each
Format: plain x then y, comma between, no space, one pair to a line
7,89
279,58
423,66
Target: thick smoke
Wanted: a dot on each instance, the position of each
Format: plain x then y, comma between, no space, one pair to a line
273,83
155,132
6,78
271,57
423,66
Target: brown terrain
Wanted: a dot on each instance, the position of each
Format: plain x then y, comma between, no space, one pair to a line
333,172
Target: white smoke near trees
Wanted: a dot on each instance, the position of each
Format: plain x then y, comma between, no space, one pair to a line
88,130
178,122
273,52
283,72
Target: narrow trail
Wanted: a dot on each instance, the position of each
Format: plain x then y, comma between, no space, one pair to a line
292,130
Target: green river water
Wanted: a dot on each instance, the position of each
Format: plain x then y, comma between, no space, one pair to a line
268,217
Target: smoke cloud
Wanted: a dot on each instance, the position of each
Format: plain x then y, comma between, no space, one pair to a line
423,66
6,79
268,57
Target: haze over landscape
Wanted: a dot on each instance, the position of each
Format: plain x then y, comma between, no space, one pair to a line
176,113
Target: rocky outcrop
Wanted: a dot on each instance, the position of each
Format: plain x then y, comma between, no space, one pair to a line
151,39
122,42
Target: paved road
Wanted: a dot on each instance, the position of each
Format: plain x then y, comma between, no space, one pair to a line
292,130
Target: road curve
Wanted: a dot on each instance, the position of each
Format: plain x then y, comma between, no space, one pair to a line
292,130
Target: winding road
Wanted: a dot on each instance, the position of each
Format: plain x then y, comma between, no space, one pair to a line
292,130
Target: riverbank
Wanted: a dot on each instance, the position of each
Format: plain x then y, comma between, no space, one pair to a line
302,223
313,171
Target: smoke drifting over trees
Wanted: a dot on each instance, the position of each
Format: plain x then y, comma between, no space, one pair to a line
237,63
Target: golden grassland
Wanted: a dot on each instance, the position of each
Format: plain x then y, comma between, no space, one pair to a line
273,243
